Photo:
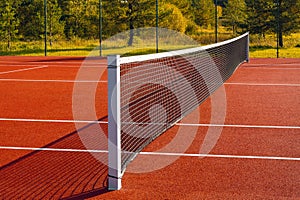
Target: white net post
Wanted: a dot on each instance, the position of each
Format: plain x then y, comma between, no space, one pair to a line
114,128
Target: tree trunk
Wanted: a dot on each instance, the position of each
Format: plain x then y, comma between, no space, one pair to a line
280,36
8,44
131,26
131,34
50,25
8,38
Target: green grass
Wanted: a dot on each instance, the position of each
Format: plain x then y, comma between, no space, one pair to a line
265,47
272,52
58,48
259,46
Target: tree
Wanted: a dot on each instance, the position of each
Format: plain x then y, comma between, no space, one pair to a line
203,12
31,16
286,18
8,21
259,16
172,18
114,17
185,7
140,13
55,26
234,14
266,16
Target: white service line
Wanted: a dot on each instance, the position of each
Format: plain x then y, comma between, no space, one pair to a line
264,84
155,153
56,81
239,126
178,124
53,149
59,66
26,69
273,64
54,121
268,68
52,62
220,156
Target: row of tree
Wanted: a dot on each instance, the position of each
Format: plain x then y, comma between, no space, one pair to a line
67,19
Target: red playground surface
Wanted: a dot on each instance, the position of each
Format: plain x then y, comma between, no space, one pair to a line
256,156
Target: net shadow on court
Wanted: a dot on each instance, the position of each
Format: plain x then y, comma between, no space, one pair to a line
56,174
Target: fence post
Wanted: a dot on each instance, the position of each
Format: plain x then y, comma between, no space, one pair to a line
45,26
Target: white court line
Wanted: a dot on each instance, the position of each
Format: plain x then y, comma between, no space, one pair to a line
273,64
220,156
53,149
21,70
277,68
155,153
56,81
178,124
54,121
239,126
264,84
55,66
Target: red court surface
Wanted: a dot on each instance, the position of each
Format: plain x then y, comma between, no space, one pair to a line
255,152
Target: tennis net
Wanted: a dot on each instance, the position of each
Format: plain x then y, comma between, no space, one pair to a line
148,94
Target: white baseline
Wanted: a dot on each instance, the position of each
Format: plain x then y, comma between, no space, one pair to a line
52,81
264,84
155,153
177,124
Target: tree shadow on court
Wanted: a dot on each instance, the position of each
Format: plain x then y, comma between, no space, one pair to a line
56,175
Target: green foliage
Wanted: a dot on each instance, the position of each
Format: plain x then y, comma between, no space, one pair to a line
234,15
76,20
203,12
31,16
259,16
8,21
55,26
173,18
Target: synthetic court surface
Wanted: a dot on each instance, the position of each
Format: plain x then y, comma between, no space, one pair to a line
256,154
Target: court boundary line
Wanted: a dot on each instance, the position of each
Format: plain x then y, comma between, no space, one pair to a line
240,126
26,69
52,65
177,124
55,81
54,120
271,64
154,153
12,63
105,81
269,68
263,84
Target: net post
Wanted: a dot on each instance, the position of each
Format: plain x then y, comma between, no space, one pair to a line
114,128
248,50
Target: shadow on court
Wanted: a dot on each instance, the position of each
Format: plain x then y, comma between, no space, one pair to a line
56,174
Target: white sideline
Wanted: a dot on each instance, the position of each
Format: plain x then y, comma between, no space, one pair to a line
273,64
54,120
220,156
239,126
264,84
26,69
90,64
155,153
178,124
55,81
53,149
270,68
